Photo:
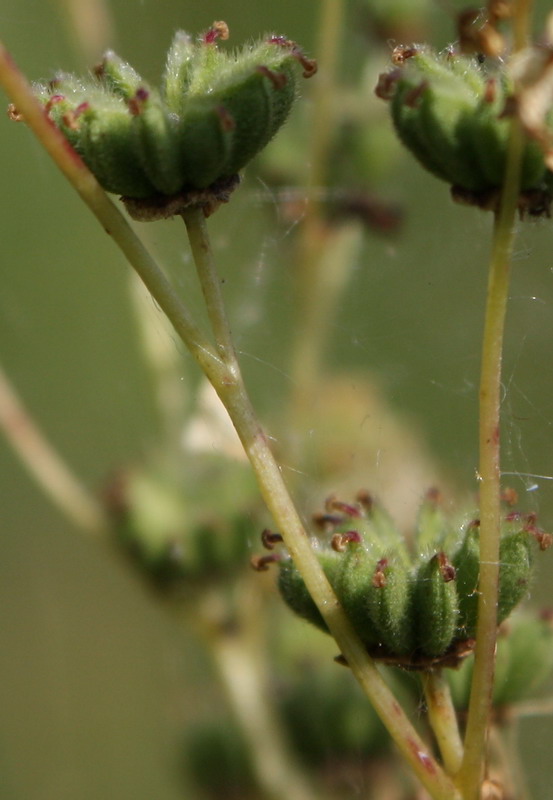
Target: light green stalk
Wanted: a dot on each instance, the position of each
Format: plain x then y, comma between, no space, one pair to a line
46,465
472,769
443,718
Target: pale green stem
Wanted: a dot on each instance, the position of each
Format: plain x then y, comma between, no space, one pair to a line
331,23
443,719
522,19
45,464
506,746
320,279
489,474
472,768
244,677
330,273
533,708
196,228
90,24
230,389
275,494
164,362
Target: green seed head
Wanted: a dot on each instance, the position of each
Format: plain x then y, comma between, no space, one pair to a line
414,606
215,110
451,112
179,541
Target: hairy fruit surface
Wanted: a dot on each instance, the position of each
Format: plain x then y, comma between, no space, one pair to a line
453,113
215,109
413,603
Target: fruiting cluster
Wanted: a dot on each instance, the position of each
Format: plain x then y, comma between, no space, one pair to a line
214,111
183,541
453,112
412,605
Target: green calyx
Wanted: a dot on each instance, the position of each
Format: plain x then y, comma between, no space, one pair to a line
215,110
413,604
451,112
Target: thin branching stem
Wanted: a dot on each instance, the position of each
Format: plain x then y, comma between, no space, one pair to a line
324,255
198,237
490,489
489,497
46,465
443,719
230,389
472,769
90,26
277,498
244,675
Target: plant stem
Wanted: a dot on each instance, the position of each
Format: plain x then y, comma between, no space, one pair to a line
164,363
489,473
46,465
443,719
90,24
228,384
275,494
324,256
198,236
470,775
234,646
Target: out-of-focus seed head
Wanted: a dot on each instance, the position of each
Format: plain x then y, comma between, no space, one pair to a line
453,112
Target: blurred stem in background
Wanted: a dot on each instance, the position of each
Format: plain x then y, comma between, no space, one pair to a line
46,465
325,254
89,25
239,649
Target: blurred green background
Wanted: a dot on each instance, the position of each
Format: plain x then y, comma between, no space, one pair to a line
96,686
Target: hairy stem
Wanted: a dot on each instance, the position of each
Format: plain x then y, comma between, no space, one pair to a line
443,719
228,384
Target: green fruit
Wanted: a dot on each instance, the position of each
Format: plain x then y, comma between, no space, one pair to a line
467,565
436,606
215,111
417,609
389,596
355,575
448,110
181,541
514,572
